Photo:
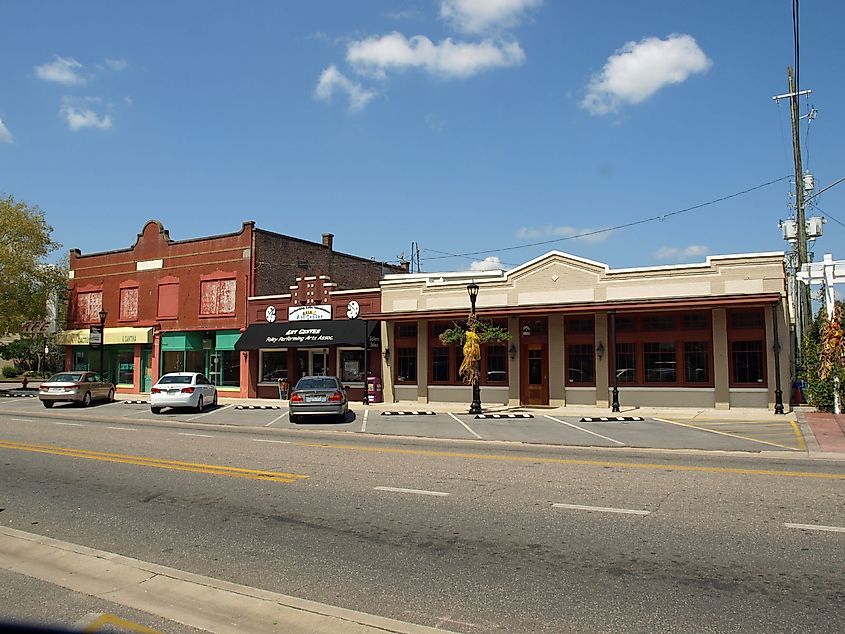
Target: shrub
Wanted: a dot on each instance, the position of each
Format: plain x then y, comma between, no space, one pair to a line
823,362
9,371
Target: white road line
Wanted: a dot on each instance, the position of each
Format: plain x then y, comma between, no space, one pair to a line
281,442
586,431
416,491
22,420
721,433
182,433
364,424
601,509
71,424
817,527
465,425
122,428
214,411
277,419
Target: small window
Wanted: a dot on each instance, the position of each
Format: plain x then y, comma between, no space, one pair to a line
88,307
168,300
128,304
580,325
626,323
217,297
696,321
406,331
747,319
659,323
534,327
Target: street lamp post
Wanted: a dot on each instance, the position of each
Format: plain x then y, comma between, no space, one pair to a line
475,407
103,315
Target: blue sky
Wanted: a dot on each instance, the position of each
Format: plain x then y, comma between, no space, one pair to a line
461,125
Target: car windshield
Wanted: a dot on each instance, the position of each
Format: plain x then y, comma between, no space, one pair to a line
184,380
66,377
318,383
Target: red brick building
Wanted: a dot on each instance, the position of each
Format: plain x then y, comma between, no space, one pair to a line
176,305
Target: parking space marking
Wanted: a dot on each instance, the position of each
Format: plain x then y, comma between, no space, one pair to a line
586,431
184,433
22,420
415,491
364,424
816,527
214,411
722,433
122,428
70,424
465,426
600,509
277,419
802,446
280,442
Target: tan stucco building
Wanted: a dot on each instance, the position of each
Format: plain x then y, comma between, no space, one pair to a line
694,335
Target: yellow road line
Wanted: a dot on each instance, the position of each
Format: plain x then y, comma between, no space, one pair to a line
801,444
722,433
577,461
111,619
159,463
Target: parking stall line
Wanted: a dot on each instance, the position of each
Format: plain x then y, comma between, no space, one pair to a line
600,509
122,428
412,491
586,431
184,433
467,427
816,527
214,411
722,433
280,442
70,424
22,420
277,419
364,424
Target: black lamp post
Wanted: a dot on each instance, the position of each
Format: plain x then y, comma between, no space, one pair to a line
475,407
614,405
103,315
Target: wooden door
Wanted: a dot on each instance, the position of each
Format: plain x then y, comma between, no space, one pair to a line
534,374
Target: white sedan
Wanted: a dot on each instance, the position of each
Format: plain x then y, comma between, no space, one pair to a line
182,389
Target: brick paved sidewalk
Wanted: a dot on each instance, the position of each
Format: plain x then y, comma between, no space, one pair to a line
829,430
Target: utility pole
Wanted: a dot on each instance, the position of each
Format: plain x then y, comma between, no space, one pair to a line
804,310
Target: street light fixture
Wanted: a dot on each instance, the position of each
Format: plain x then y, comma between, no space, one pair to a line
103,315
475,407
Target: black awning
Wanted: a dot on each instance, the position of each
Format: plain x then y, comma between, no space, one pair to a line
310,334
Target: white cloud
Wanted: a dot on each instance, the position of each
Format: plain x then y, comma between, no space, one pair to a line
116,64
639,69
62,70
549,233
332,80
79,115
376,55
5,135
487,264
477,16
675,253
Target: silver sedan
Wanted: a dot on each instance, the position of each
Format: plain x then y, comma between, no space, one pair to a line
318,396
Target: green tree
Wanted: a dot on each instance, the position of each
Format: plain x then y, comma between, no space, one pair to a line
27,282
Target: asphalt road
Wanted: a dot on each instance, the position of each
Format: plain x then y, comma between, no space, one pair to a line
475,543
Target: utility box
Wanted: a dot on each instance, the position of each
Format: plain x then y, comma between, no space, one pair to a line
374,390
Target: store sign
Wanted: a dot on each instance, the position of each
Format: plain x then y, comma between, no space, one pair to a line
95,336
302,336
310,313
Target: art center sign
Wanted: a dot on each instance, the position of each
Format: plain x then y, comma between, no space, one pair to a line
314,312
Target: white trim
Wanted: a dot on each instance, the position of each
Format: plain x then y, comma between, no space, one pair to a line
286,295
355,291
642,388
580,389
748,390
149,265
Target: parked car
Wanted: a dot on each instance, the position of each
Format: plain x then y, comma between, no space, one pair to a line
318,396
182,389
76,387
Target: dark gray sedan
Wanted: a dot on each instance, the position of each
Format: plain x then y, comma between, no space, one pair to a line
318,396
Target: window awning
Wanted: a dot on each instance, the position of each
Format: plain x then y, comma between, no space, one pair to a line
112,336
310,334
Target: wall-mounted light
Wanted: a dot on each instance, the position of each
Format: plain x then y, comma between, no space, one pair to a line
512,351
600,350
386,354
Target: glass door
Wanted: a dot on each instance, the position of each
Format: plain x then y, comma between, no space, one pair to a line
319,362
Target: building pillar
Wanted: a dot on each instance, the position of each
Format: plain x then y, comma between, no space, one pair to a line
388,330
557,367
422,361
138,371
721,377
603,363
513,363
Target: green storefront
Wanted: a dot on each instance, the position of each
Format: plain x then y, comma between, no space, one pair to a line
211,353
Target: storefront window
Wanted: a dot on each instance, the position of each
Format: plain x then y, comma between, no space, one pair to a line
351,365
439,364
659,362
274,365
406,361
581,363
125,362
173,361
747,360
195,361
696,368
80,359
626,362
497,365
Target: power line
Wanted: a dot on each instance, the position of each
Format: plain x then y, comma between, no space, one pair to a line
614,228
829,216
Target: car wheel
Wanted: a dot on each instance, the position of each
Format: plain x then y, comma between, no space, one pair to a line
47,404
155,410
214,402
199,404
294,419
86,400
110,397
